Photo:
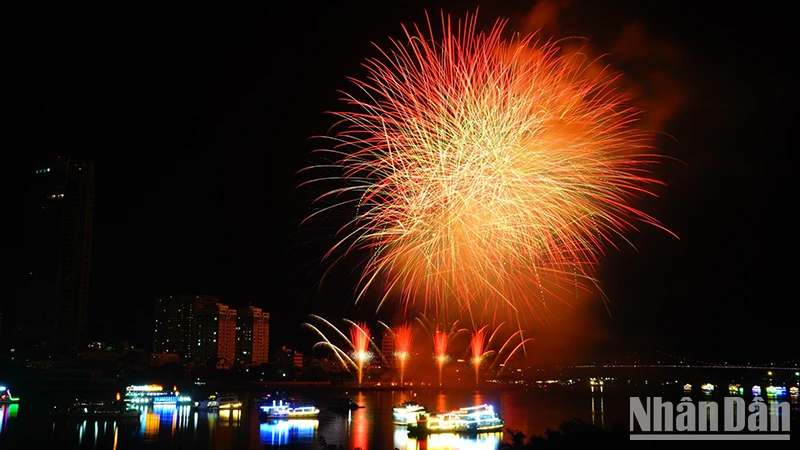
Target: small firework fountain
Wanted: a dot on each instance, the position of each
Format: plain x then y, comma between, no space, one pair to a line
359,333
440,351
403,340
359,343
477,343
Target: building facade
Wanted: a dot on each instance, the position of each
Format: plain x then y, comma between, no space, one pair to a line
175,326
388,349
252,336
56,241
216,335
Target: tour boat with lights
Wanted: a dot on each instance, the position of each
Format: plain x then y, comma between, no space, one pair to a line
472,420
5,396
279,410
143,394
214,403
707,388
776,390
402,412
172,399
93,409
794,390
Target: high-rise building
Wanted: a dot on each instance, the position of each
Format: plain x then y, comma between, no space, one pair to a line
297,360
175,327
216,335
252,336
388,349
56,244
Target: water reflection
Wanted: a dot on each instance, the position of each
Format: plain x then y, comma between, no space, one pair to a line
165,420
7,414
282,432
164,427
359,425
598,411
95,433
449,441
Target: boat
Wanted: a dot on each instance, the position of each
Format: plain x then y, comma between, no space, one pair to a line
707,388
471,420
143,394
172,399
279,410
776,390
687,387
401,412
214,403
94,409
5,396
344,403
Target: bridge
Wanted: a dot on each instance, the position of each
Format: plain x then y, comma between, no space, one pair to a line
656,359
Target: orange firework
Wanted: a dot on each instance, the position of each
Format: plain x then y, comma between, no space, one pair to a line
403,341
485,172
359,334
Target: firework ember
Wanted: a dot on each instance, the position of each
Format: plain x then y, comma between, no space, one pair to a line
487,171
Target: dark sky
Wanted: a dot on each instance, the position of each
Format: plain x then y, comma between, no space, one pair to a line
199,117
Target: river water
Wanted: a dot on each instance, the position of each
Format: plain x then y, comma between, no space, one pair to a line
28,425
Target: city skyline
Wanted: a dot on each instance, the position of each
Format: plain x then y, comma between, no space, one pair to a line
197,193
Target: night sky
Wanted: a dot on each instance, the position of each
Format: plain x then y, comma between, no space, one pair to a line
198,119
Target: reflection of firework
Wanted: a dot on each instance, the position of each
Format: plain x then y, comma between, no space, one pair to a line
487,171
359,333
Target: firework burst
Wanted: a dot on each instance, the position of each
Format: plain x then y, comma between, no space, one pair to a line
488,174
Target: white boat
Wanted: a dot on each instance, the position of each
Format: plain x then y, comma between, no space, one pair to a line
406,411
472,420
279,410
215,403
